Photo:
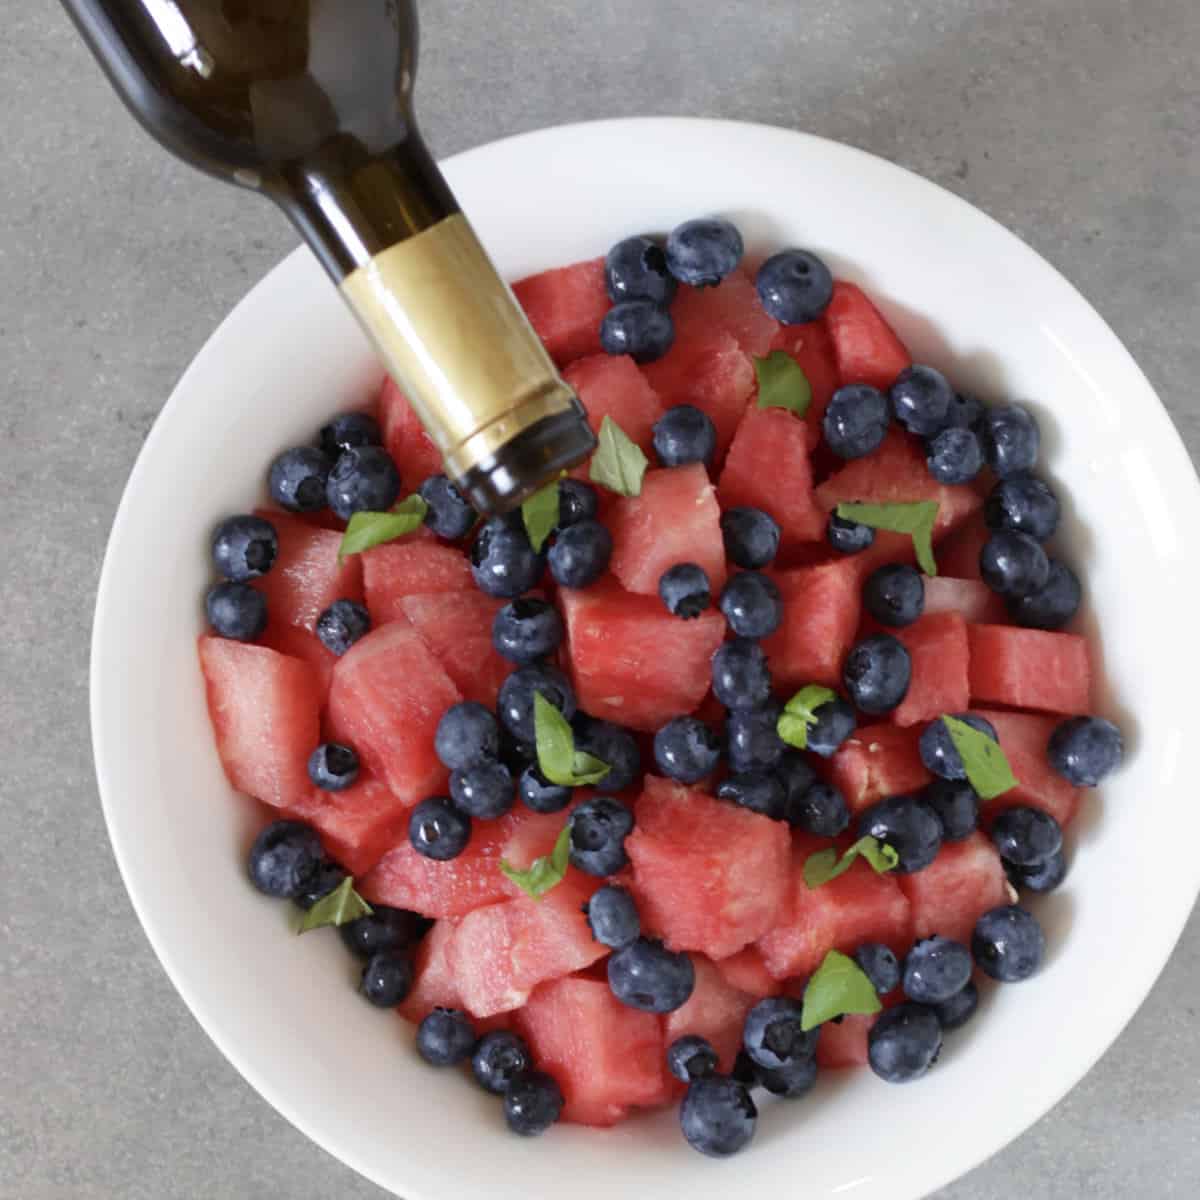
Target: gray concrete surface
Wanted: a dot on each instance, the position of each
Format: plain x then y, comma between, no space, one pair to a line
1072,121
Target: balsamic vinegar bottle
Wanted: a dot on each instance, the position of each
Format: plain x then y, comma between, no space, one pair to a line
310,102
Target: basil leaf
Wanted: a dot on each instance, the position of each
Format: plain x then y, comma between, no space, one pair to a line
557,757
339,907
540,514
916,519
825,865
545,872
367,529
800,712
839,987
618,463
987,768
782,383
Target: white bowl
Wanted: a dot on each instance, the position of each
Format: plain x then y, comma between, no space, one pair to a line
966,295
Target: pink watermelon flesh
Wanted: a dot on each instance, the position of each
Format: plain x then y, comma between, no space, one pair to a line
956,889
457,627
937,645
412,449
878,761
1024,738
416,566
433,982
565,307
357,826
867,349
303,644
387,696
844,1044
812,348
958,555
971,598
716,1010
732,307
707,875
265,712
612,386
1030,668
747,972
821,607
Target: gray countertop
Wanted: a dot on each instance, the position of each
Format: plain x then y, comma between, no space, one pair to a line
1074,122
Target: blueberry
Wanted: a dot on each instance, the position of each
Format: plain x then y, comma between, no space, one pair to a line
1083,750
236,610
759,791
835,723
894,594
449,514
516,753
640,328
954,456
966,412
527,629
1053,605
445,1037
284,858
612,916
848,537
298,478
613,745
880,965
751,537
1008,944
959,1009
1024,504
1041,877
791,1081
684,589
539,794
939,754
1011,440
515,703
502,560
936,968
342,624
599,827
348,431
821,811
1026,837
752,605
647,976
921,399
333,766
956,805
1013,564
532,1103
580,554
702,252
362,480
244,548
466,734
387,978
691,1057
483,790
686,749
636,269
877,672
904,1043
740,678
906,824
577,501
744,1070
438,830
795,287
683,435
752,740
856,420
326,878
796,777
384,928
772,1034
499,1058
717,1116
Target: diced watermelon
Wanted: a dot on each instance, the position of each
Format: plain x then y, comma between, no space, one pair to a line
937,645
716,1010
879,760
821,607
612,386
866,347
412,449
412,567
972,598
606,1058
707,874
732,307
812,348
1030,668
306,577
1024,738
566,306
434,985
767,467
457,627
747,972
844,1043
265,710
676,519
958,555
631,661
387,696
304,644
357,826
956,889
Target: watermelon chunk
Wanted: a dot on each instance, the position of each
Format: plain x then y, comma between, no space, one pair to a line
606,1058
387,696
866,347
413,451
715,1010
812,348
747,972
937,644
958,555
631,661
956,889
357,826
767,467
732,307
612,386
879,760
565,306
303,644
844,1044
1030,668
416,566
707,875
265,710
821,607
1024,738
972,598
434,985
457,627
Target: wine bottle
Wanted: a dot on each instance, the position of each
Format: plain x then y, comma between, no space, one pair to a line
310,103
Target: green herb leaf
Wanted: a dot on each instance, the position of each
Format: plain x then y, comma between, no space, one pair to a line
987,769
800,712
839,987
916,519
558,759
825,865
782,383
339,907
367,529
544,872
540,514
618,463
